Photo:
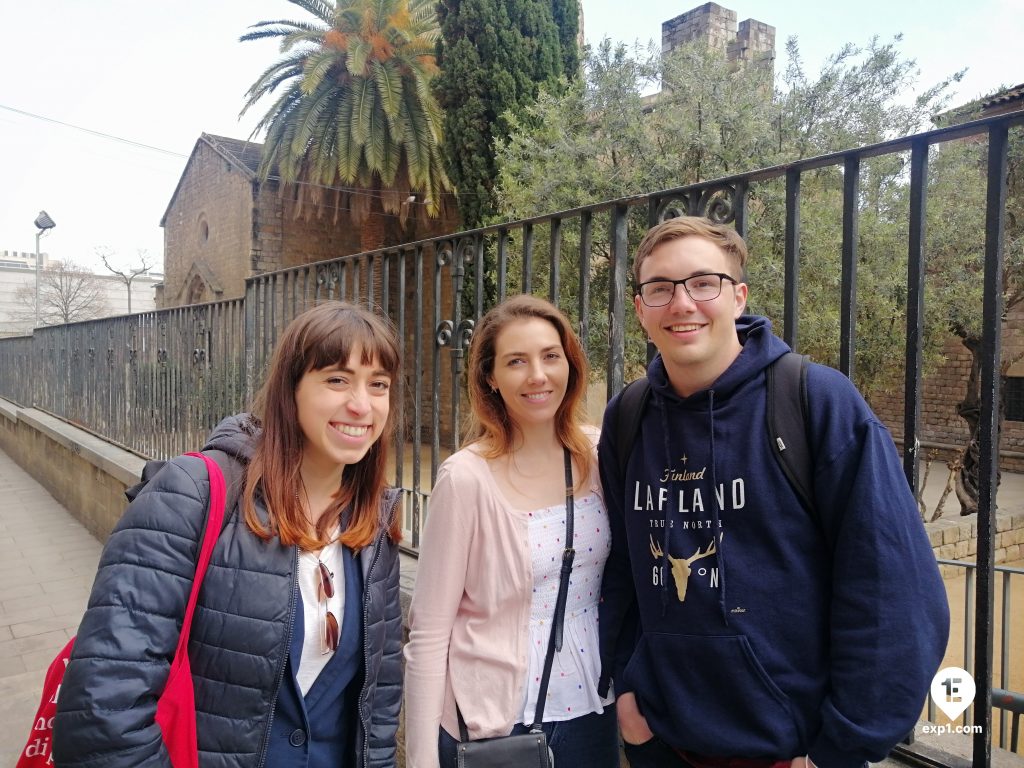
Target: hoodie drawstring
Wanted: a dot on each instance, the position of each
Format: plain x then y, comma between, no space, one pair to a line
665,532
716,525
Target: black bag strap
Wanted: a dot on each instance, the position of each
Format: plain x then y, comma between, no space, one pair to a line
555,638
786,412
627,423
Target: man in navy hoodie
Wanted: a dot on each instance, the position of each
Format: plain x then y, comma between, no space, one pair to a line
740,629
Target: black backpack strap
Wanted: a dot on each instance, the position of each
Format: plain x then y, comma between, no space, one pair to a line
627,423
149,471
787,410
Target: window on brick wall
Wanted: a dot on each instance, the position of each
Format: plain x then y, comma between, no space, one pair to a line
1013,394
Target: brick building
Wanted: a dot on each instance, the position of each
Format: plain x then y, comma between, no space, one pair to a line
223,225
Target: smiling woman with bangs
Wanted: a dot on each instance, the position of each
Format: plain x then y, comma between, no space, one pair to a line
296,638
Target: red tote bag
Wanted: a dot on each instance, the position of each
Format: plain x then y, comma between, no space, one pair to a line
176,707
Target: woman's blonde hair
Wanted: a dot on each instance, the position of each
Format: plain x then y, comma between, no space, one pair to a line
490,422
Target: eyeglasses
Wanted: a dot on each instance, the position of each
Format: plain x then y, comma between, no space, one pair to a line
329,635
658,293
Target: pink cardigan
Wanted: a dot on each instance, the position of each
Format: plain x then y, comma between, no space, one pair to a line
470,612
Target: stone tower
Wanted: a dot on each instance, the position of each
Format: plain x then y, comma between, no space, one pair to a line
752,42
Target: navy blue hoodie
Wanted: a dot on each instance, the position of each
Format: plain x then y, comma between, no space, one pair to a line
746,626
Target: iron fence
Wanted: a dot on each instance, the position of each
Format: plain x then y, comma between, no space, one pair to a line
158,381
1005,698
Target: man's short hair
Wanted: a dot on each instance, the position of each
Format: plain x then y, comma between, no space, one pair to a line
721,235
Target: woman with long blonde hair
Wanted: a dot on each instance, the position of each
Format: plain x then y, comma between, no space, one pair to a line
493,544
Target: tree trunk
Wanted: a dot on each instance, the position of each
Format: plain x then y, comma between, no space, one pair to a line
969,409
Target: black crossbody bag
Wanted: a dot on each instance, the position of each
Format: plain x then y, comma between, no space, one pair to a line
528,750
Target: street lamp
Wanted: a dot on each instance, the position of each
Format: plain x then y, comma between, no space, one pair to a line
43,223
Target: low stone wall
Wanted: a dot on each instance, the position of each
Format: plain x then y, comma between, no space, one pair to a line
86,474
956,538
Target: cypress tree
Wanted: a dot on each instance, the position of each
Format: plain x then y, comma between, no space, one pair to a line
567,19
494,55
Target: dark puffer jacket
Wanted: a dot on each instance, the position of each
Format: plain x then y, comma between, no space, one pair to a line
240,634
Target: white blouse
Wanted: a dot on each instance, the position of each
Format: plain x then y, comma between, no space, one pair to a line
572,689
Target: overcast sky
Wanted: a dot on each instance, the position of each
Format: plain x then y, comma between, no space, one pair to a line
161,74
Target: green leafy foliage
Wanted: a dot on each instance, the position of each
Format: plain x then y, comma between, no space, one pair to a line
355,106
602,138
494,55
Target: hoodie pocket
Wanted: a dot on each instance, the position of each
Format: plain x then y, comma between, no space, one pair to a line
711,696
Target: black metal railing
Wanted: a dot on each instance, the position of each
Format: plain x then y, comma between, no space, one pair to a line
1008,701
156,382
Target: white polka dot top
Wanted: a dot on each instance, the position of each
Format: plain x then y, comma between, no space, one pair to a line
572,691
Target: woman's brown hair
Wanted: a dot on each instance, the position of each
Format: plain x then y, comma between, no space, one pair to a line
320,337
490,423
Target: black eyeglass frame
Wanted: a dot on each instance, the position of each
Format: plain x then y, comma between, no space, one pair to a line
683,282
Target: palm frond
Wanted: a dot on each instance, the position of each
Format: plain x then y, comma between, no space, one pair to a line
358,52
322,10
343,139
377,139
322,151
307,118
416,140
423,14
269,82
353,159
315,69
362,92
389,89
276,28
390,161
301,37
276,116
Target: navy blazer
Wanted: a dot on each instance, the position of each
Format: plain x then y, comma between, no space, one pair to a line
318,730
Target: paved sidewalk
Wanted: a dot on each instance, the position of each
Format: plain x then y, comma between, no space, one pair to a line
47,563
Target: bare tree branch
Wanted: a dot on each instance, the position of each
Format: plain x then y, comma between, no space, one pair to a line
127,276
68,293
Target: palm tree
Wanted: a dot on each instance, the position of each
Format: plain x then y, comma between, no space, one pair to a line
356,109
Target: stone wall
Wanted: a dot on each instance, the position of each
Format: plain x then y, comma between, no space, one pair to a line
284,236
86,474
956,538
754,43
715,26
709,23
